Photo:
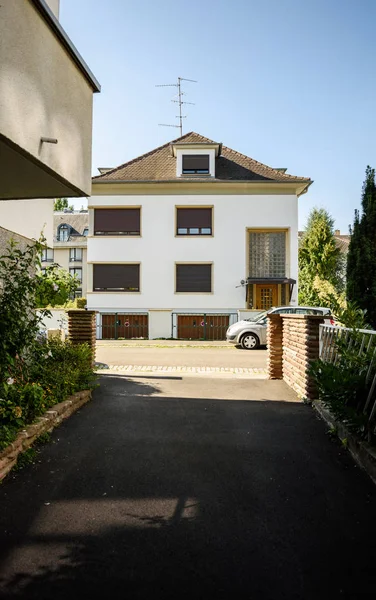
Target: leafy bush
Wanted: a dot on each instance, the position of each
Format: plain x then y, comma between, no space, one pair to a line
23,288
343,386
62,368
53,371
54,286
347,313
35,373
81,302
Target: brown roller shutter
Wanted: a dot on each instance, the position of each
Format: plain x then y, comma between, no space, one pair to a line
194,217
116,278
117,221
196,163
193,278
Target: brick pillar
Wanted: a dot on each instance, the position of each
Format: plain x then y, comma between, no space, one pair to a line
82,328
300,349
275,350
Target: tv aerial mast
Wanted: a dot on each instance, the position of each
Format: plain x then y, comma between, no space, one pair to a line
178,99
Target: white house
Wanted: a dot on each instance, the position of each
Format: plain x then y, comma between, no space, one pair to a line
188,237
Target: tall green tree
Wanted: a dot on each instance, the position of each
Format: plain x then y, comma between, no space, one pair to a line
62,203
319,258
361,260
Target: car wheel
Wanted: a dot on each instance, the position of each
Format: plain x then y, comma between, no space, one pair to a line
249,341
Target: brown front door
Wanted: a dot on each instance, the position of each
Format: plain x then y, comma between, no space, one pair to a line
266,296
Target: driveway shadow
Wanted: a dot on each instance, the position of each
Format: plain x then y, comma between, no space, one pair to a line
145,497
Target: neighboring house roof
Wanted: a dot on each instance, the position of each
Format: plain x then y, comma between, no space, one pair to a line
77,220
22,243
160,165
6,235
342,241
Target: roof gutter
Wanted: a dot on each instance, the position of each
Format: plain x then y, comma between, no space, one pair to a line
305,189
58,30
208,180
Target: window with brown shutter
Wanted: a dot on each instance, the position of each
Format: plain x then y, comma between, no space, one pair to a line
194,221
116,278
195,164
194,278
116,221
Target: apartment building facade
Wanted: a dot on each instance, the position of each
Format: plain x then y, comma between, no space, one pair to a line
69,248
188,238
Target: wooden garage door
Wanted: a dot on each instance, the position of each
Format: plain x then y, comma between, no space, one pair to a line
124,326
202,327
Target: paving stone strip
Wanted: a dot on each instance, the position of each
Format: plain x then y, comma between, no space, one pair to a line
185,369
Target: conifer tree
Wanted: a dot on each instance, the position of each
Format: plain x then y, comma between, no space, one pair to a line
319,257
361,260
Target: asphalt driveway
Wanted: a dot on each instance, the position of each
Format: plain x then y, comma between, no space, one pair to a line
160,489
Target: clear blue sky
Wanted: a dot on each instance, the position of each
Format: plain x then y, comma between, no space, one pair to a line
289,82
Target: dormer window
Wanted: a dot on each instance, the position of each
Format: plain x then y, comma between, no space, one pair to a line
63,233
195,164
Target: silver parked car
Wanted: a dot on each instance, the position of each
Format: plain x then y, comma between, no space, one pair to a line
251,333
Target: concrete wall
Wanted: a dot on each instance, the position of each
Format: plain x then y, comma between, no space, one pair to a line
44,94
54,6
158,249
159,324
58,320
28,217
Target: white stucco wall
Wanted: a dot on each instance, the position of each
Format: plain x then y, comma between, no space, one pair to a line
44,94
159,324
28,217
57,320
158,249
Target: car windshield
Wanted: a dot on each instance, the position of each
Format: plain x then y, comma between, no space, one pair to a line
257,316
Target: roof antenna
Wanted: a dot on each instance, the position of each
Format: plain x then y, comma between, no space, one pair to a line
178,100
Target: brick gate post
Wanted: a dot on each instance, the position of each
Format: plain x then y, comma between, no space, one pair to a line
82,328
275,350
301,346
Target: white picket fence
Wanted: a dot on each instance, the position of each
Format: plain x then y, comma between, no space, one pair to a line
364,340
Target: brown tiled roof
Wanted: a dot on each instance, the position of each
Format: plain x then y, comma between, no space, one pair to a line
160,165
342,241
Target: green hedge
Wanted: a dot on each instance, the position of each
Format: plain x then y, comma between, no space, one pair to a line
52,371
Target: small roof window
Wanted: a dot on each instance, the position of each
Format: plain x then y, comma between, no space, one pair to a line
196,164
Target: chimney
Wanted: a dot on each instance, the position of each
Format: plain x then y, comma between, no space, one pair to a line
337,232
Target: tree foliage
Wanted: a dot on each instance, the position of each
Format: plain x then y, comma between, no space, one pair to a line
62,203
319,257
361,261
23,289
55,286
346,313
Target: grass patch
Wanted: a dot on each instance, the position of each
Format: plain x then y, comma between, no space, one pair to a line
25,459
